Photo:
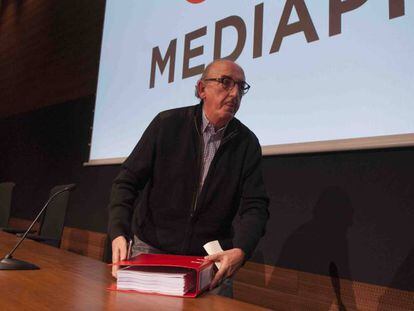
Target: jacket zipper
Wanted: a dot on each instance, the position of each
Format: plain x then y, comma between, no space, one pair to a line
197,188
216,156
185,245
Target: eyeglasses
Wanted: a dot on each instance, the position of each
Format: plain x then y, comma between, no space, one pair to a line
228,83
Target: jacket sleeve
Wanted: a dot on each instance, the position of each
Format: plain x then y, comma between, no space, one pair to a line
253,210
135,172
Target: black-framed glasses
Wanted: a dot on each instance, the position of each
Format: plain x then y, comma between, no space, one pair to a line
229,83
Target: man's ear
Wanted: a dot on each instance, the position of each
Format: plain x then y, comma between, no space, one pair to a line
201,89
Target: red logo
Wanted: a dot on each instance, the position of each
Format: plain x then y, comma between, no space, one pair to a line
195,1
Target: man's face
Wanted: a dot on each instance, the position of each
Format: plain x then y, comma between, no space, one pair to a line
221,104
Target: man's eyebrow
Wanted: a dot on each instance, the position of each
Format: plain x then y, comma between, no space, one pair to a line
225,76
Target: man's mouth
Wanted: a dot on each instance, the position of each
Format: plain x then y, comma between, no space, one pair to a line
231,106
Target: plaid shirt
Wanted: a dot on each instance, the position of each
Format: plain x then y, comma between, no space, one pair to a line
212,139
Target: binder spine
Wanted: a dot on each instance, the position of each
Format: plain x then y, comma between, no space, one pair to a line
205,277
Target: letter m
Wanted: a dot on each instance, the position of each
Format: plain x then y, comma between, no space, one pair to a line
157,60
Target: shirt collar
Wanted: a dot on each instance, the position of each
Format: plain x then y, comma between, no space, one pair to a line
206,124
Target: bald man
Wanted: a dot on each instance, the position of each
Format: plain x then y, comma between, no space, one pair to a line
194,169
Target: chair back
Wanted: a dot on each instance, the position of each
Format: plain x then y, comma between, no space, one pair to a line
6,192
53,220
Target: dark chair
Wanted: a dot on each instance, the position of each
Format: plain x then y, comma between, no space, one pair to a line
53,220
6,192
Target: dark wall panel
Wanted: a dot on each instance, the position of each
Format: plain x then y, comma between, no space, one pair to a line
42,149
349,213
49,52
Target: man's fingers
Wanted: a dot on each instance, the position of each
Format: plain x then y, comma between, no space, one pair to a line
214,257
115,258
115,255
114,271
119,250
218,277
122,253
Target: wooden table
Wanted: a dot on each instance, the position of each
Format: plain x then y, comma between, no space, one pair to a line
67,281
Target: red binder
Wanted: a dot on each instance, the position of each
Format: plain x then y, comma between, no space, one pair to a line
203,268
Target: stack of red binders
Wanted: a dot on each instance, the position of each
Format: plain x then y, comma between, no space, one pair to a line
173,275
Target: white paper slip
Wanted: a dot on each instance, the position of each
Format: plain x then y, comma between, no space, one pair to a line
213,247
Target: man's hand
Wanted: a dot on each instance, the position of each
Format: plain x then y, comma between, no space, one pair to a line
230,261
119,252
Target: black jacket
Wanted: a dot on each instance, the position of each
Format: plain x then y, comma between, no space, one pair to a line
171,213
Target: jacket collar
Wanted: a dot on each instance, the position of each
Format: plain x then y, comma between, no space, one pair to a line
232,128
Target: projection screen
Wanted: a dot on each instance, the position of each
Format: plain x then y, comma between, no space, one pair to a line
325,75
